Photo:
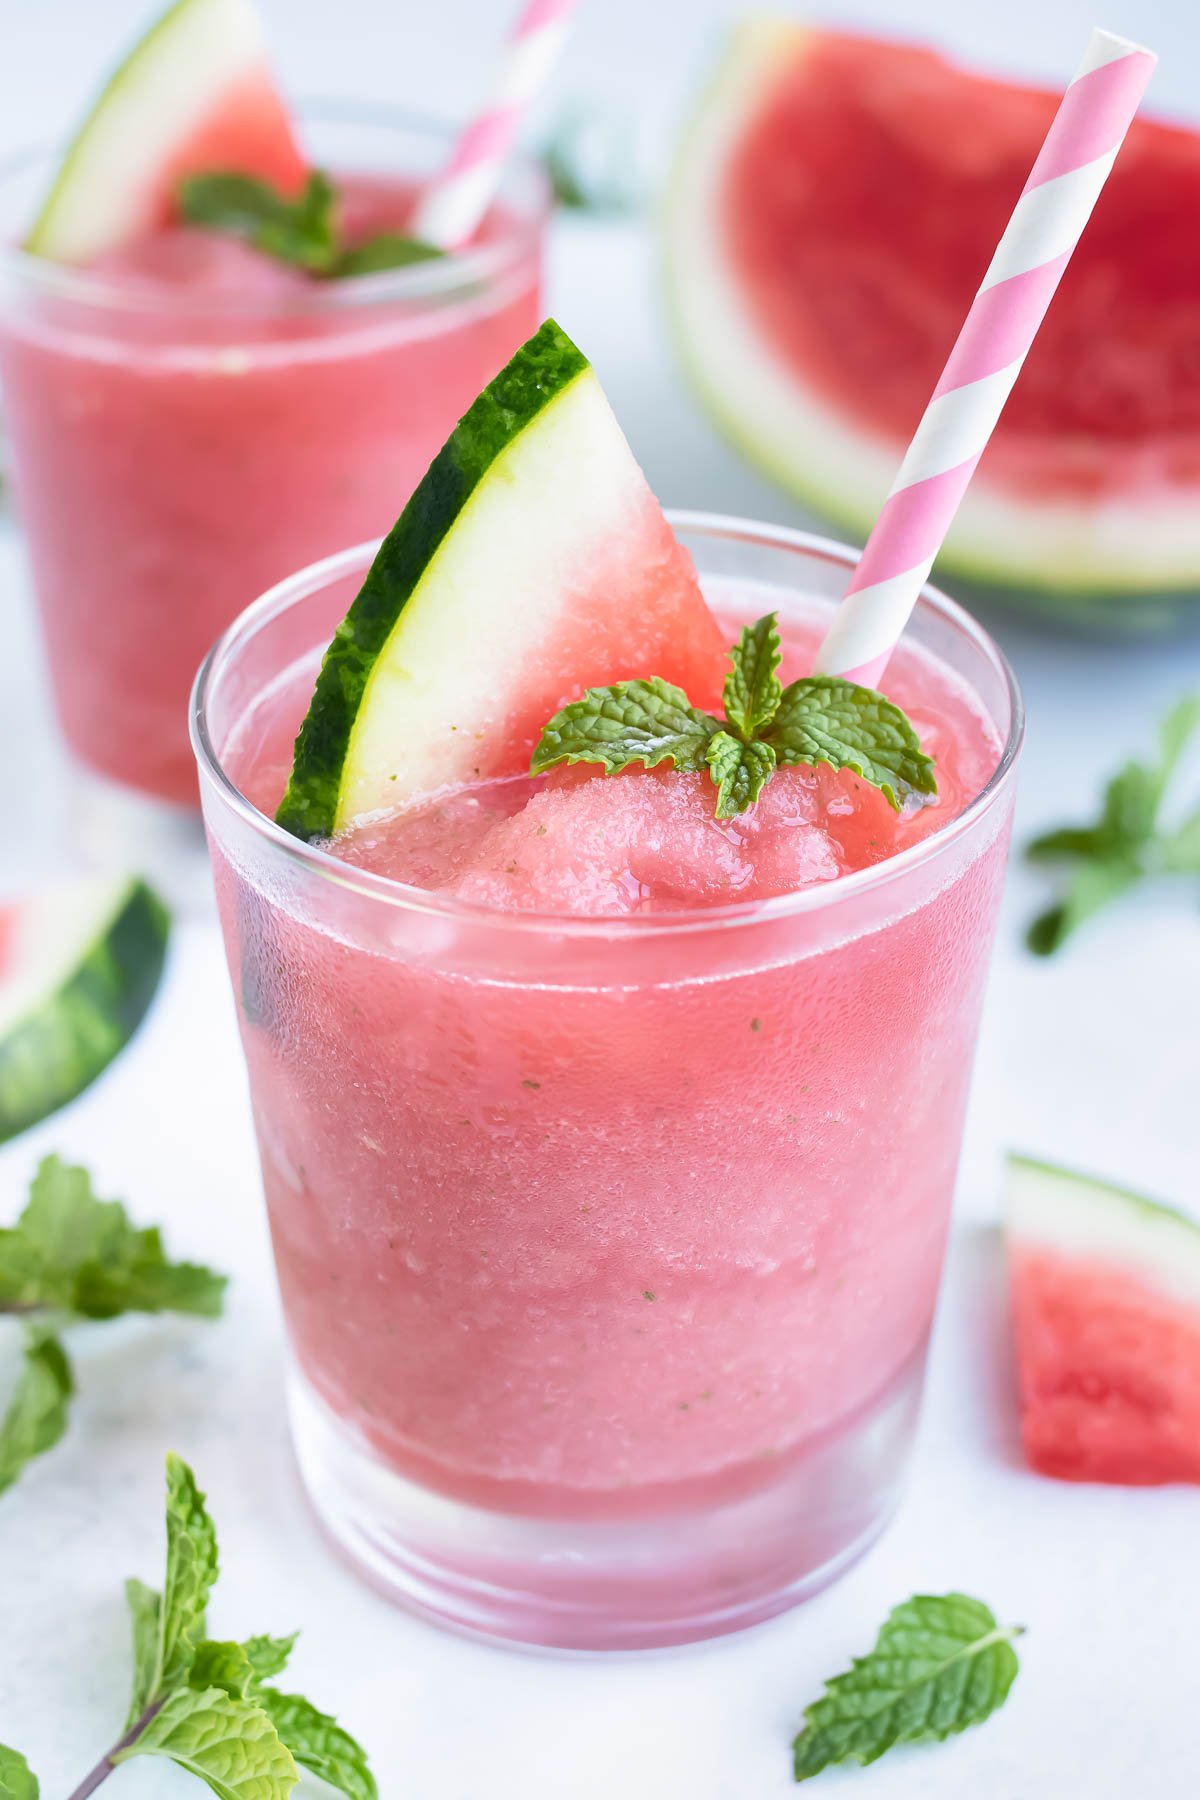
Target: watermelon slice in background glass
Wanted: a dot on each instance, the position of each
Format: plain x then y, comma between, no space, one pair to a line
190,420
1105,1290
195,94
835,202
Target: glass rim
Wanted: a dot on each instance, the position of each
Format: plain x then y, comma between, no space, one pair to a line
438,278
380,888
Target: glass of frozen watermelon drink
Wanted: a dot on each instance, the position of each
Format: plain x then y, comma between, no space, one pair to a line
211,378
608,1113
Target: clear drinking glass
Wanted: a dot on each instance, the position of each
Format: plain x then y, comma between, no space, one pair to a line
608,1247
176,449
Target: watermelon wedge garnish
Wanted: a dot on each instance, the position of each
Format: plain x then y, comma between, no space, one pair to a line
834,205
195,95
532,562
80,962
1106,1311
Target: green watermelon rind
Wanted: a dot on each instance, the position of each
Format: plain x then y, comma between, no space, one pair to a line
1076,1216
1077,573
538,375
65,1039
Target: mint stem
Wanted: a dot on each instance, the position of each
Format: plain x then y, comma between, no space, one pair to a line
105,1767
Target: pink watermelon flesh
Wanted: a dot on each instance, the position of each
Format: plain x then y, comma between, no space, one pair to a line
248,132
1109,1372
860,211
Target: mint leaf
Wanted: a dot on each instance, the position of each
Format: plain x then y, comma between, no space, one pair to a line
17,1780
818,719
63,1229
319,1744
822,718
71,1257
1072,841
1090,888
390,250
752,690
1126,842
197,1701
1181,848
940,1664
222,1665
192,1568
647,722
140,1279
144,1605
37,1412
72,1253
1175,733
301,232
268,1656
740,771
230,1744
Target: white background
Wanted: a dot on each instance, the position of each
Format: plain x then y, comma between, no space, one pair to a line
1092,1058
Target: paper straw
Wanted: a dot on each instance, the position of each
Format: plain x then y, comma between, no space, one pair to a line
1063,187
454,206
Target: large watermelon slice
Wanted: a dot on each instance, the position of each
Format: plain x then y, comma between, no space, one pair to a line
195,94
80,962
532,562
1106,1309
835,204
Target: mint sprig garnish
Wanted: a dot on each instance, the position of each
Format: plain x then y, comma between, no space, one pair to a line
940,1664
303,232
204,1703
818,719
71,1258
1127,842
647,722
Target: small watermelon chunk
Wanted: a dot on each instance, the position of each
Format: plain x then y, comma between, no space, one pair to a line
195,95
80,962
532,562
1106,1310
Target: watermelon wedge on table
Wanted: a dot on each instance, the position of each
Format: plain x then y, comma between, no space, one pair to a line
80,963
835,203
1106,1312
194,95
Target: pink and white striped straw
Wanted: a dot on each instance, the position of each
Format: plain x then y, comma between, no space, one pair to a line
1055,205
457,200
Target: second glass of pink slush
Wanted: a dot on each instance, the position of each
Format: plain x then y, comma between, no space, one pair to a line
189,421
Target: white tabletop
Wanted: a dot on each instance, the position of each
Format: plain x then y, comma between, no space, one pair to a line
1090,1058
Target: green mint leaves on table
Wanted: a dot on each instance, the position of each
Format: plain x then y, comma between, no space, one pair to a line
17,1782
204,1703
71,1257
1127,842
940,1664
818,719
302,232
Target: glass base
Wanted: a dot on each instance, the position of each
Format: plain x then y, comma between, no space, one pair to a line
122,829
671,1578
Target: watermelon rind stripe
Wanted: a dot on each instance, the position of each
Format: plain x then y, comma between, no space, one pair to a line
1078,1217
539,374
61,1044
